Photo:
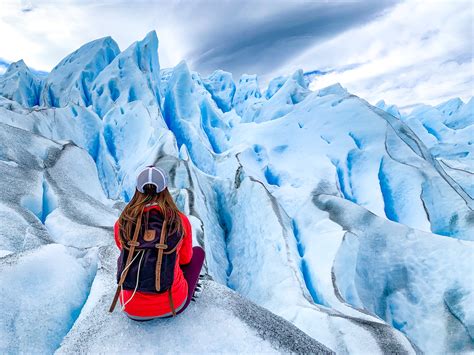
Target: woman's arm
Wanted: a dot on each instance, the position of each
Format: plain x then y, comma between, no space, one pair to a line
116,235
186,251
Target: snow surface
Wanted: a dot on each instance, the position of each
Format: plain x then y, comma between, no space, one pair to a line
401,276
350,224
219,321
54,283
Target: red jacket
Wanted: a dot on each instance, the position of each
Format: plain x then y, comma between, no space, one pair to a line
144,304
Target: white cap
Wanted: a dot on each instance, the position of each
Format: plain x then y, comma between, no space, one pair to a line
152,175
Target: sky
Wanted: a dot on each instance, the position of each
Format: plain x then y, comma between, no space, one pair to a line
405,52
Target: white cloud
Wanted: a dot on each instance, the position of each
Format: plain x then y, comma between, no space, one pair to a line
418,51
51,30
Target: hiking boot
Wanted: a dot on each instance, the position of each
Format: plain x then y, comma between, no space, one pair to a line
197,291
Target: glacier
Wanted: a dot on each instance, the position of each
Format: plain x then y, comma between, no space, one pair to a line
329,224
21,85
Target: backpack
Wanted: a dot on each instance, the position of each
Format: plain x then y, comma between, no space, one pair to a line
147,262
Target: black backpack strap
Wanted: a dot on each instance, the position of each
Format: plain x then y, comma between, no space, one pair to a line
133,243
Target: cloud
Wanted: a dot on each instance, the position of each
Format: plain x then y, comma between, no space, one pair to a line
238,36
255,45
419,52
404,52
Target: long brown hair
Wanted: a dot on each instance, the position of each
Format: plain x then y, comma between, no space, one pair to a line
163,200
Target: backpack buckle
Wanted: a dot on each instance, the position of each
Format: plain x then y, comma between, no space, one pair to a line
132,243
161,246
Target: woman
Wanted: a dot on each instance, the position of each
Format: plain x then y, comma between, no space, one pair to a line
158,268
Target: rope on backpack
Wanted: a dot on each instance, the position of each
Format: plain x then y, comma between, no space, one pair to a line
138,279
129,261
